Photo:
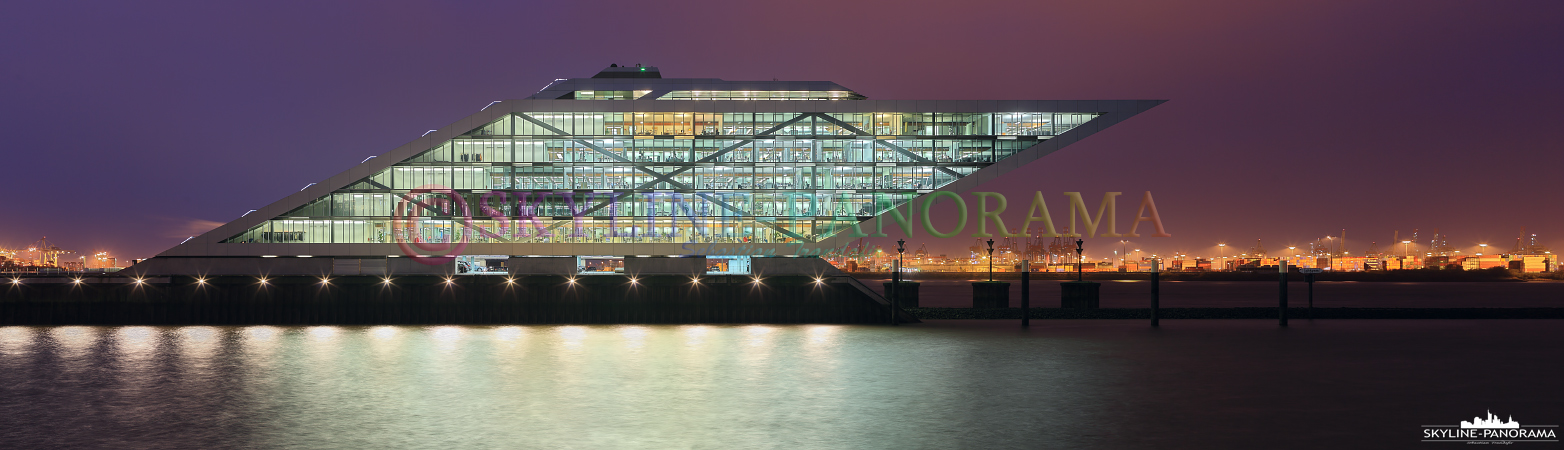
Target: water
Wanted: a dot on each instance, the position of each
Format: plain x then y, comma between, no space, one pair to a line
943,384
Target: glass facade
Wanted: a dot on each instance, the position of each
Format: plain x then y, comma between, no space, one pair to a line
761,95
662,177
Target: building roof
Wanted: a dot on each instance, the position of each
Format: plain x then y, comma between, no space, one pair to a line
655,86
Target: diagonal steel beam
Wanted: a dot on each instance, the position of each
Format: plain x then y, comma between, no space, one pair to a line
668,178
708,197
916,158
408,197
718,154
619,158
713,157
420,203
617,196
560,132
735,209
838,122
543,124
782,125
611,155
898,149
611,200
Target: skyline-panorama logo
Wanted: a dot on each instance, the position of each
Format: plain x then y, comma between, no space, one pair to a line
1490,430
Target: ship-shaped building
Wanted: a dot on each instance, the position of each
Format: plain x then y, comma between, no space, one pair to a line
629,172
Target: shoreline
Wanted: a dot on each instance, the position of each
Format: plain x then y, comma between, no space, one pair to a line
1293,313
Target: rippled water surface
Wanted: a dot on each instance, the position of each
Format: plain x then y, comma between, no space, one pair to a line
953,384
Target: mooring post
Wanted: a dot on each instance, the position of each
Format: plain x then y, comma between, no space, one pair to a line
901,250
1281,308
1310,279
1155,287
1026,293
895,287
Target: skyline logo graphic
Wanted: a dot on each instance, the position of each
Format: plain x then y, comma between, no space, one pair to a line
1491,422
1490,430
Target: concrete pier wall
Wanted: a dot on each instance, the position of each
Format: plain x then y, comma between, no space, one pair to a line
424,299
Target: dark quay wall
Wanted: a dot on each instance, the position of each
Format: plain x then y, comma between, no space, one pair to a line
418,300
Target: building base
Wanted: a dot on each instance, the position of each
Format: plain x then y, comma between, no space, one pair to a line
424,300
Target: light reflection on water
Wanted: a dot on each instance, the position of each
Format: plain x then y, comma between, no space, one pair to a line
198,342
629,386
1068,384
73,341
136,345
16,341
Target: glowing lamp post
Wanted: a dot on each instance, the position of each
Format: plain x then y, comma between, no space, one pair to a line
1124,247
990,260
1155,290
901,249
1080,252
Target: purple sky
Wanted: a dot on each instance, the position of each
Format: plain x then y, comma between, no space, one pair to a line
130,125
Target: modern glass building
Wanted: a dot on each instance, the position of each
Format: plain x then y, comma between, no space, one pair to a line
631,172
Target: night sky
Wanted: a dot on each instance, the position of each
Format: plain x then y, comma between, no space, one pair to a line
131,125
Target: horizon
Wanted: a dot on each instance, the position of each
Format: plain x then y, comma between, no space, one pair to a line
1266,135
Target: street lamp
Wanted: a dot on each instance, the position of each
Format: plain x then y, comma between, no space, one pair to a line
1080,253
1406,247
901,250
896,287
1123,247
991,259
1222,252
